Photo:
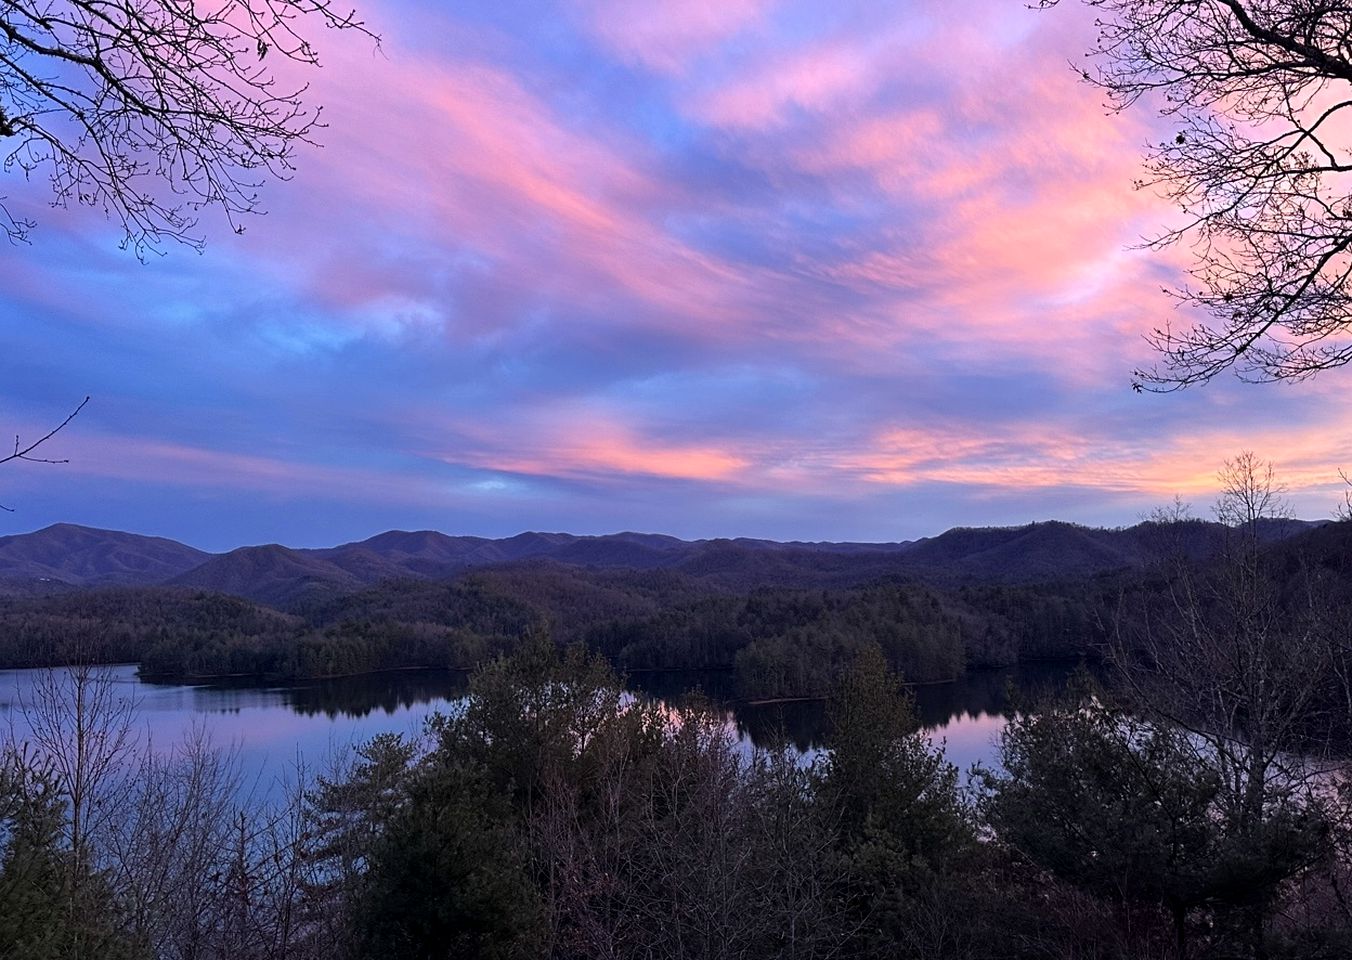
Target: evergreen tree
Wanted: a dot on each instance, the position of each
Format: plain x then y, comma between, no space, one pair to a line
900,820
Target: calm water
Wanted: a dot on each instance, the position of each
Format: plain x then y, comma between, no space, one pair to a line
274,727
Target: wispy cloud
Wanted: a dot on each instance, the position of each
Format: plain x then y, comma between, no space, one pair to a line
760,267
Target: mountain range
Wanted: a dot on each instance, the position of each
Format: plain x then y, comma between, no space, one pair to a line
66,557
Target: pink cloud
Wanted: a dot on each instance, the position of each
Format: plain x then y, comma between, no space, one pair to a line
667,36
583,441
573,456
1029,210
462,157
518,206
830,75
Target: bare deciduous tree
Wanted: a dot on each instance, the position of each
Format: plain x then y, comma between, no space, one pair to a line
158,845
1242,658
81,725
153,110
163,851
1259,92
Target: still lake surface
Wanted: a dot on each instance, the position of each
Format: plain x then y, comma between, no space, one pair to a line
273,728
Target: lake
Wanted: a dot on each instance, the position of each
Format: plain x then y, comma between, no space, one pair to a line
274,727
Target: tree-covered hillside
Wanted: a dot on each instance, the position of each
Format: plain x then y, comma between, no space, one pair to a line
781,641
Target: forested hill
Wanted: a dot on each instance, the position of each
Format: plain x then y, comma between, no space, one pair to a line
64,557
65,554
779,641
784,618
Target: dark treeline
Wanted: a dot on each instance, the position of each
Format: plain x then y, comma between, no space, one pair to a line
554,817
781,642
777,641
122,625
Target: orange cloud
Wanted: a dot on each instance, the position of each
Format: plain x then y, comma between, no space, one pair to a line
584,442
1036,457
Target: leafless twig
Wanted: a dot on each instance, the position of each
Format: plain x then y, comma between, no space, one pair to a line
27,453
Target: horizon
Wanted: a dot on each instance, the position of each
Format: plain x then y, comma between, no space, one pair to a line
219,551
772,270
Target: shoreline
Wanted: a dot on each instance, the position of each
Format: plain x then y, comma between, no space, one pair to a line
200,679
188,680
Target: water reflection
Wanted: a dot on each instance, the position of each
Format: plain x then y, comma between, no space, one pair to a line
356,697
800,724
275,727
980,701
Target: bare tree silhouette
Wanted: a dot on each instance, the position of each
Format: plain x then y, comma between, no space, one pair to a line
154,110
1259,92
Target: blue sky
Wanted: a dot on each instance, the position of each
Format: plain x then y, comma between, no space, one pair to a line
783,269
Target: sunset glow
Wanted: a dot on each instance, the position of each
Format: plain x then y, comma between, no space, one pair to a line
853,271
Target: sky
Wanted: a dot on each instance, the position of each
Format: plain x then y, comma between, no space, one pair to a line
846,271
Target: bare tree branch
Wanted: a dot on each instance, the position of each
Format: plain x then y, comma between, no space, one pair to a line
1260,91
155,110
28,452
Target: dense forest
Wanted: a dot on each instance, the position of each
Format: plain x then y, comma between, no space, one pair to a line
780,641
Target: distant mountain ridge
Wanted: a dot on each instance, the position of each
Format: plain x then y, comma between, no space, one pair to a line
66,556
65,553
